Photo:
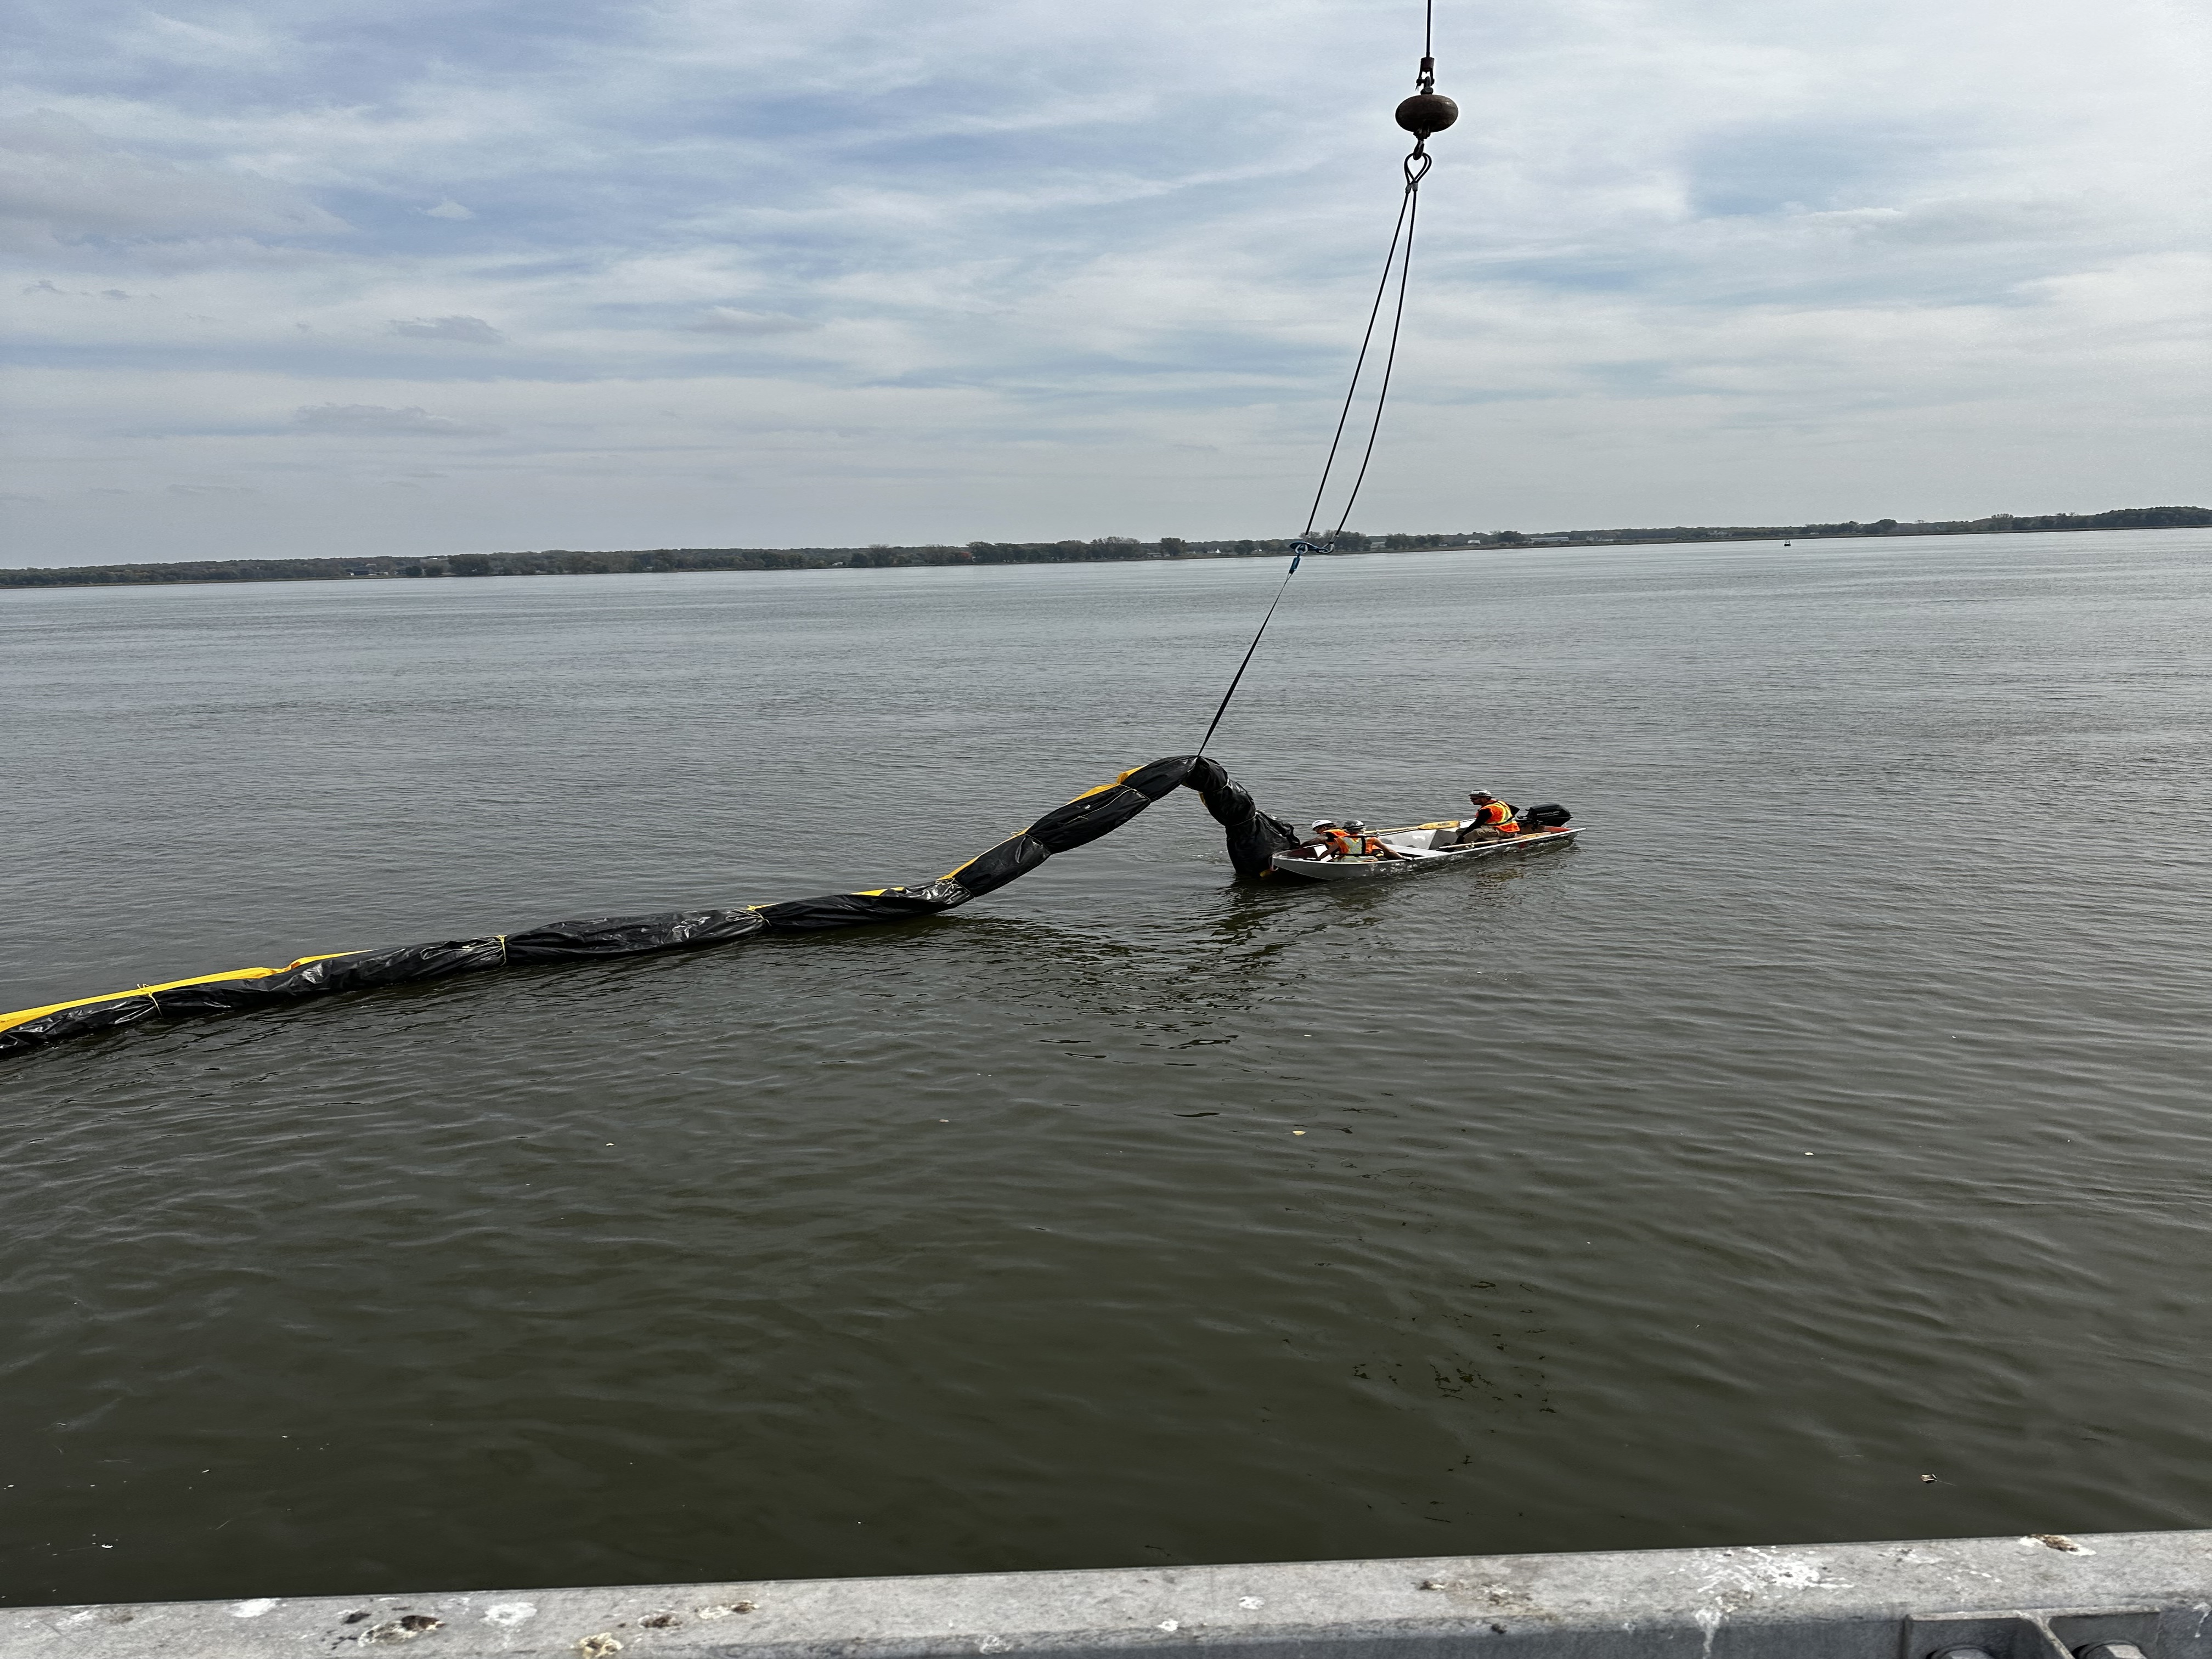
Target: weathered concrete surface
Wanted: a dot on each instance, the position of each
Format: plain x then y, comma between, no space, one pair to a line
2019,1598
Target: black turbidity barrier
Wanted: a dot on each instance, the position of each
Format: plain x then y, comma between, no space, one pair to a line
1254,839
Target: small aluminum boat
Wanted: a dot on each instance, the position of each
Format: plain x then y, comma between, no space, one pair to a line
1417,847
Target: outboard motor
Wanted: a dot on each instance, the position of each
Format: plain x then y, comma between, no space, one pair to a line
1550,817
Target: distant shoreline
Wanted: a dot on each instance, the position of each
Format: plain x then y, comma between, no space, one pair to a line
561,562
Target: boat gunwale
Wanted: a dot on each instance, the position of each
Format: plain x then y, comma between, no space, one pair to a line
1368,865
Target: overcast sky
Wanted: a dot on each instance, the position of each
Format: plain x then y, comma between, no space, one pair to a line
317,277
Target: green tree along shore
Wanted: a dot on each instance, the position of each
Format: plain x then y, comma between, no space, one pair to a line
557,561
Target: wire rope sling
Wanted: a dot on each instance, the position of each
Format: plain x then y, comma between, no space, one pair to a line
1425,114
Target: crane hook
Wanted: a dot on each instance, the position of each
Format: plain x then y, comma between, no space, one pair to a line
1428,111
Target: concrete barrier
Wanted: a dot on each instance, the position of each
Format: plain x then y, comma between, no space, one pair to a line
2044,1597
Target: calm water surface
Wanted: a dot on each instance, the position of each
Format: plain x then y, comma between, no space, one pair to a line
1836,1116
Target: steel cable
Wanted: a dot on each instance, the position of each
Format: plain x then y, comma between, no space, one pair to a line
1416,169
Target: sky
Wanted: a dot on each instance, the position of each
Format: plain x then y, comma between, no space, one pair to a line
318,278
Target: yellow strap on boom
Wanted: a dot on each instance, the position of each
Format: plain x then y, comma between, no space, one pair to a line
24,1015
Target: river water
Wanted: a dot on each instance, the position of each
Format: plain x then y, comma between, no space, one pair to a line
1834,1116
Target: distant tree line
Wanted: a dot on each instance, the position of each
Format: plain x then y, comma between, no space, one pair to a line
560,561
2124,518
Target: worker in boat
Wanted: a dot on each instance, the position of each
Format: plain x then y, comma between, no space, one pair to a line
1347,840
1338,841
1365,845
1493,819
1317,845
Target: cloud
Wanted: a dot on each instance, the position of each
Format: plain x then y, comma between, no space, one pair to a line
372,420
474,331
1678,259
63,184
727,319
211,489
46,285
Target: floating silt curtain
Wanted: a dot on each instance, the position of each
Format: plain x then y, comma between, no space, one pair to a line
1254,838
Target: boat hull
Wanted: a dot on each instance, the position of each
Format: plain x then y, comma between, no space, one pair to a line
1377,869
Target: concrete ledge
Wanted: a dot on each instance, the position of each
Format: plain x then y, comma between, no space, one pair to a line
2016,1598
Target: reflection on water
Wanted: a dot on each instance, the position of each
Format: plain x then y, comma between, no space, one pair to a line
1833,1116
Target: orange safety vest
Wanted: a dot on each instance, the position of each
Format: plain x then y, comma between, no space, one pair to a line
1493,815
1341,845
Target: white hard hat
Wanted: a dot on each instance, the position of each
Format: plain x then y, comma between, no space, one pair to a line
1323,823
